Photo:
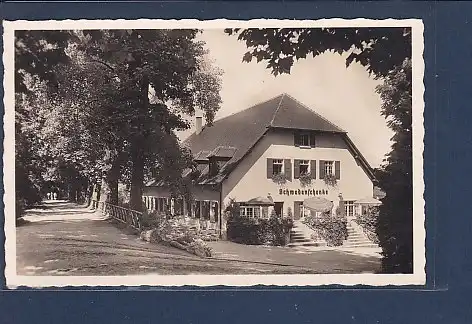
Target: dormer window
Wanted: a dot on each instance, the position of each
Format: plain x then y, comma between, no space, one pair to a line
304,139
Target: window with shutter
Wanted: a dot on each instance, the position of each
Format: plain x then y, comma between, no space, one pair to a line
328,167
304,166
302,139
277,166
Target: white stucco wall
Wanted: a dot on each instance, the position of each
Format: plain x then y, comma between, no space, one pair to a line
249,179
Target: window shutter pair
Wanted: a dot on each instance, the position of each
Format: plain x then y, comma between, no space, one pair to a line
270,168
337,169
288,169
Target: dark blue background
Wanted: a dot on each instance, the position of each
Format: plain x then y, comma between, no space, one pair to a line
448,160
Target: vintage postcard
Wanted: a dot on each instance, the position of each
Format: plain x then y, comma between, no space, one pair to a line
214,153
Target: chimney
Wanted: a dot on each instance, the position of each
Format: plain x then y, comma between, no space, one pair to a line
198,125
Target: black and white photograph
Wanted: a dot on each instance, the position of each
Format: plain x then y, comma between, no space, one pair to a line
204,153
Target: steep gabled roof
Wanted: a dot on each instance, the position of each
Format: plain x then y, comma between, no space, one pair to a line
294,115
235,135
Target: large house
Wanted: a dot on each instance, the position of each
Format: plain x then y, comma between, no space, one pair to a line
270,158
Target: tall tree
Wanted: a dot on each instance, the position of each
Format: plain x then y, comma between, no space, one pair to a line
36,54
386,53
169,62
394,226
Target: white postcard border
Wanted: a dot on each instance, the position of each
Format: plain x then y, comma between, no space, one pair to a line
419,259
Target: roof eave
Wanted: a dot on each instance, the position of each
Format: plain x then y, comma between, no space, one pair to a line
366,166
308,129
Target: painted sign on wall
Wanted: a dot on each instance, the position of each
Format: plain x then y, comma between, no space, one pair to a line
302,192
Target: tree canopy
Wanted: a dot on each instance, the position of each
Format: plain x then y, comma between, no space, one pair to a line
111,100
380,50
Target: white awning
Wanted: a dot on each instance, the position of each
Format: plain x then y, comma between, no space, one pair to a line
368,201
318,204
260,201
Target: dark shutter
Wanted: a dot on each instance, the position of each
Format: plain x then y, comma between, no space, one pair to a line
296,169
270,168
297,209
296,138
288,169
312,139
322,169
337,171
313,169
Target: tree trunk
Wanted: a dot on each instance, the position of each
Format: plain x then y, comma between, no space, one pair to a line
109,184
112,179
92,193
137,149
137,179
104,190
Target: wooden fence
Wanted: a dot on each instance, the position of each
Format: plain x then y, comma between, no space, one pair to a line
121,214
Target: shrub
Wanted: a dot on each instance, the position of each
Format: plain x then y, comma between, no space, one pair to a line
273,231
332,229
368,222
178,234
151,220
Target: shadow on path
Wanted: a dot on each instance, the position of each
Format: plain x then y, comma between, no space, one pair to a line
63,238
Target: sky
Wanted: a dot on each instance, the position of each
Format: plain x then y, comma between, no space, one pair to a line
345,97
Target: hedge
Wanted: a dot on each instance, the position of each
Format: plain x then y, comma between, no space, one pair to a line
333,229
272,231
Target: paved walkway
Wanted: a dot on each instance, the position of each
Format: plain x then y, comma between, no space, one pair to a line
61,238
323,260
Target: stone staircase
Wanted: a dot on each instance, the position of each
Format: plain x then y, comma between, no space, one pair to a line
356,237
301,235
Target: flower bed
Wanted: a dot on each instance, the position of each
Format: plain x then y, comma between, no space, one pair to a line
177,232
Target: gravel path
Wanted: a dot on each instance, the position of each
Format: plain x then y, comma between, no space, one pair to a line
61,238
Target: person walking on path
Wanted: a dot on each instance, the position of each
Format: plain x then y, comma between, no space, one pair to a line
55,196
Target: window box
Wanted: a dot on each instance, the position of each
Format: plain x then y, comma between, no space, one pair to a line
305,179
330,179
279,178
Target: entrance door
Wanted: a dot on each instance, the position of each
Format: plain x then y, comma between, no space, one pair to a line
279,207
297,210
